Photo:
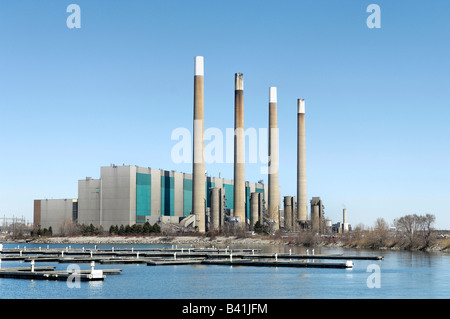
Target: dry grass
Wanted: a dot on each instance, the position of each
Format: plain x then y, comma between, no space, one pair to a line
445,244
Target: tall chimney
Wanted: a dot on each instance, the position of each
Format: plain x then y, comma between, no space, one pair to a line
288,212
198,166
274,188
215,208
344,221
302,213
254,203
239,149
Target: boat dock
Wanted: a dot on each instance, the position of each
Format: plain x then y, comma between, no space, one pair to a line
157,257
49,273
283,263
62,255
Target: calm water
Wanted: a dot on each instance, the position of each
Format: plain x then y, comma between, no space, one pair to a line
401,275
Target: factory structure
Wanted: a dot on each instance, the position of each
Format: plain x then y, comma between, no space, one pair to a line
128,195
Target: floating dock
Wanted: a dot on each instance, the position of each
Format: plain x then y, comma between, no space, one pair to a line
271,263
160,257
50,275
174,262
57,255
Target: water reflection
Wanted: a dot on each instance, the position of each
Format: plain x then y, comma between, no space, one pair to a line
403,275
95,289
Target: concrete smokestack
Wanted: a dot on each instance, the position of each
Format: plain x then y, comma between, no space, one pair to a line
254,209
344,221
315,217
316,214
274,188
261,205
294,214
215,208
198,166
239,149
302,212
288,212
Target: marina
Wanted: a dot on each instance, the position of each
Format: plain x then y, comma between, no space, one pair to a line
263,272
61,255
156,257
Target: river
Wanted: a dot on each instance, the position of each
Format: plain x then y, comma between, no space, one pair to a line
400,275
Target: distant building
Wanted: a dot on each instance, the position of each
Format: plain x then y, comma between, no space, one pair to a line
126,195
341,228
54,212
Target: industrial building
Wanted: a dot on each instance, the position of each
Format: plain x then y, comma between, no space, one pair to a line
55,213
126,195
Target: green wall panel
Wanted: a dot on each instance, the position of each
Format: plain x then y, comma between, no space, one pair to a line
187,197
247,202
229,194
260,190
167,196
143,196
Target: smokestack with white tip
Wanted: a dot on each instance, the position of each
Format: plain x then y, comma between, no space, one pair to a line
239,150
302,212
274,188
198,166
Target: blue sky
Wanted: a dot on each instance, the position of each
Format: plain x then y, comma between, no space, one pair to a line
377,100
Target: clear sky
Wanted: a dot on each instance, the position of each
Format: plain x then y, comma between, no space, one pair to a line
112,91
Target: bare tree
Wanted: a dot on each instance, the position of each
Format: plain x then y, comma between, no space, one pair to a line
67,227
426,229
380,234
418,230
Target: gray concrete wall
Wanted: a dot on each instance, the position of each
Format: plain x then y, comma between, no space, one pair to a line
89,191
56,213
218,182
178,193
118,195
156,192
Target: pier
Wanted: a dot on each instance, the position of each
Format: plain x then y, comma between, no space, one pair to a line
158,257
284,263
103,255
48,273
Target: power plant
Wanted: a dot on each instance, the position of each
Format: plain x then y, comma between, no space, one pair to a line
127,195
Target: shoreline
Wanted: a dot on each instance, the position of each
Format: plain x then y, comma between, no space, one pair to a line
205,241
155,240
